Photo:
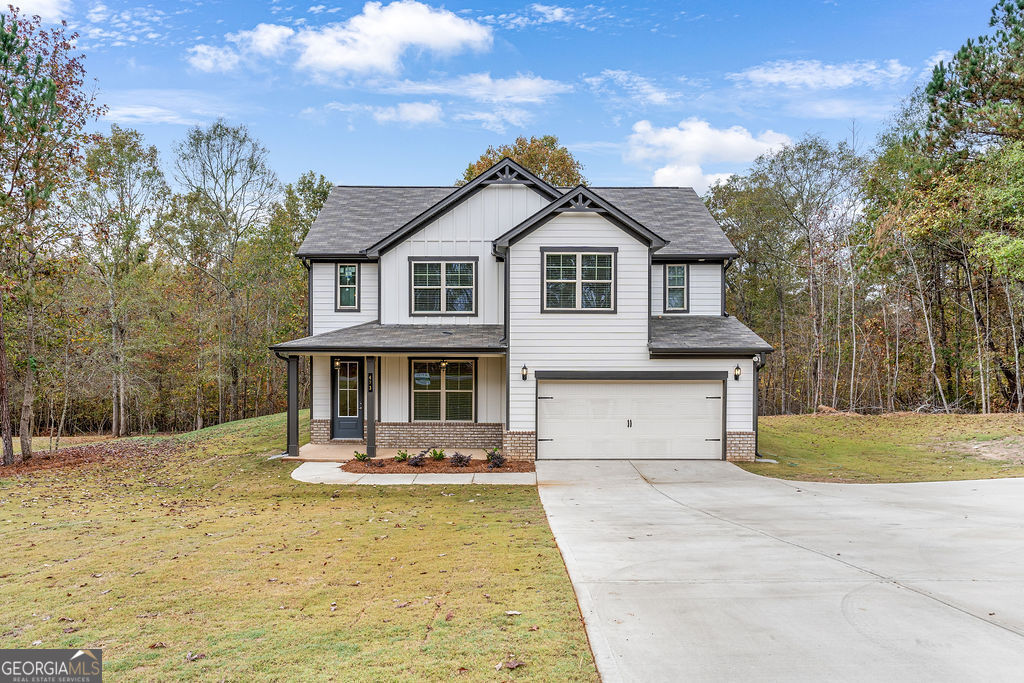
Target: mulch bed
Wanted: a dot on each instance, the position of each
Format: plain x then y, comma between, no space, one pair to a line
433,467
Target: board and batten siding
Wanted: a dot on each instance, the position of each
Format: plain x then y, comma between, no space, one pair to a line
325,318
393,385
705,289
599,341
466,230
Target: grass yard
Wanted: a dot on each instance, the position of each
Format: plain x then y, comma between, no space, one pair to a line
190,557
891,448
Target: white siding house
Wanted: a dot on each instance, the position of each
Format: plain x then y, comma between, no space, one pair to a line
535,322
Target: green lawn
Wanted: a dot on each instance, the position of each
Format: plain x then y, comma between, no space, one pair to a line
891,448
194,545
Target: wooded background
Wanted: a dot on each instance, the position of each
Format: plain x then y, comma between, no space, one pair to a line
140,288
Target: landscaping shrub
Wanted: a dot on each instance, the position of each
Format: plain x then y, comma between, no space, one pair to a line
495,459
459,460
402,456
361,457
437,454
418,459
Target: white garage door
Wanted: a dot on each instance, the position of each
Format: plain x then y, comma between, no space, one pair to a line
657,419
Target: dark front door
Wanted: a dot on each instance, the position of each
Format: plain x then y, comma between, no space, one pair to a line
347,398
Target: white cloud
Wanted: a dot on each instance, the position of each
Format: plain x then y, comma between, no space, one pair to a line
813,74
48,10
268,40
98,13
499,119
538,14
412,113
376,39
146,113
933,61
166,106
684,149
839,108
638,88
483,88
552,13
316,9
209,58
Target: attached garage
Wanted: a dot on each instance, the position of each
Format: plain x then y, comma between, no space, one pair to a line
654,416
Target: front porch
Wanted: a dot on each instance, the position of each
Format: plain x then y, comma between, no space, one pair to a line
381,388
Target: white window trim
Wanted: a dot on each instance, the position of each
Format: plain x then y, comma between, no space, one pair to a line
685,287
444,263
579,254
442,390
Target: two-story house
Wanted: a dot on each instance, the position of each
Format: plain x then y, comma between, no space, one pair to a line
551,322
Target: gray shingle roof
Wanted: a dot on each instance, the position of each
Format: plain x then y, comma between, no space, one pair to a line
375,337
354,218
715,333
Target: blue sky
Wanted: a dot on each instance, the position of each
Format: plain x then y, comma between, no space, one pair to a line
406,92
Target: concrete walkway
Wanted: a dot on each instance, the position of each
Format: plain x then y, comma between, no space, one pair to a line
701,571
331,473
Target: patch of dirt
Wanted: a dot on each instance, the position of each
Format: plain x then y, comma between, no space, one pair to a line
828,410
1007,449
108,452
433,467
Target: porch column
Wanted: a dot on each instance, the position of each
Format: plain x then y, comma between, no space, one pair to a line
371,407
293,406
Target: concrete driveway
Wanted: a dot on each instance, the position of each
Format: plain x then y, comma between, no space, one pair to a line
701,571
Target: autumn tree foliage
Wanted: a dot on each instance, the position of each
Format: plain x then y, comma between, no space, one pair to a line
542,156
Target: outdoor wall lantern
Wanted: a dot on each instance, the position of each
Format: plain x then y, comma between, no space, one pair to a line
737,371
525,372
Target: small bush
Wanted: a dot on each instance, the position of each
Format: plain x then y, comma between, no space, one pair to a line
495,459
361,457
417,460
437,454
459,460
402,456
374,463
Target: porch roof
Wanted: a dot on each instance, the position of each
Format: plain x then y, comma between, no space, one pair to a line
372,337
703,335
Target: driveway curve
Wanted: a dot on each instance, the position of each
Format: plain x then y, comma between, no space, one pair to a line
690,570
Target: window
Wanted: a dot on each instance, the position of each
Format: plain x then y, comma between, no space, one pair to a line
675,288
442,390
579,281
443,287
348,287
347,381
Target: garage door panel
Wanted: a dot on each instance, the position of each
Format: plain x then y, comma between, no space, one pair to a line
655,419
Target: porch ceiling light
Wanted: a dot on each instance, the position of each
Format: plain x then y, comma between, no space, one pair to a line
737,371
443,364
525,373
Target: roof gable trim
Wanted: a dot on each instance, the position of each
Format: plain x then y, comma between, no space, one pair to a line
504,172
580,199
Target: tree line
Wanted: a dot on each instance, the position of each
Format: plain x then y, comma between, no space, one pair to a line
139,292
893,278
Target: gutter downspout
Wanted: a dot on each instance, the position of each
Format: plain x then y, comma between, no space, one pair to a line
759,362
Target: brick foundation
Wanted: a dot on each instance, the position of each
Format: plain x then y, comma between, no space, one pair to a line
520,445
439,434
740,446
319,431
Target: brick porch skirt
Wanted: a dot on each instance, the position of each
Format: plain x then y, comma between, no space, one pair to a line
439,434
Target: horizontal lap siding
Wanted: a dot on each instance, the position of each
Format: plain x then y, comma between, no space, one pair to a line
705,289
581,341
325,318
465,230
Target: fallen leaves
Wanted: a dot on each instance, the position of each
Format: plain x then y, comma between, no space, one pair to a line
194,656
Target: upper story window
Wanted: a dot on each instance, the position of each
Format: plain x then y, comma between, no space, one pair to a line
347,294
579,280
677,298
443,286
